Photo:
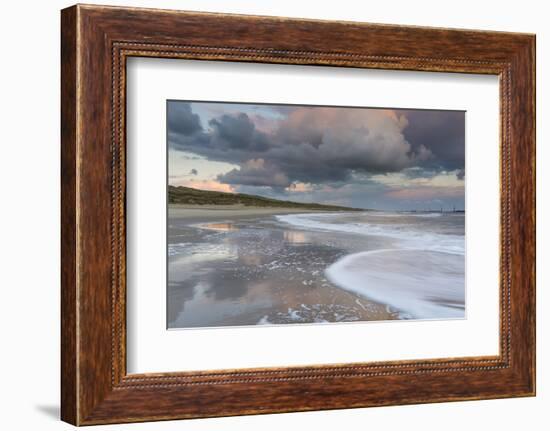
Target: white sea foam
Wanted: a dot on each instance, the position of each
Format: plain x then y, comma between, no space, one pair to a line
264,321
311,313
409,237
420,284
421,278
425,215
405,214
178,248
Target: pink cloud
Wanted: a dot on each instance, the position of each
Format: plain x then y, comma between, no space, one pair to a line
211,185
299,187
263,124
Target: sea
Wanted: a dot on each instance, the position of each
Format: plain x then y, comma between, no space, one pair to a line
316,268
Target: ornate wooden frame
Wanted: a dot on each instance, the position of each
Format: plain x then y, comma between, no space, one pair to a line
95,43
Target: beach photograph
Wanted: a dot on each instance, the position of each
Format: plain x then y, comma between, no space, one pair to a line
298,214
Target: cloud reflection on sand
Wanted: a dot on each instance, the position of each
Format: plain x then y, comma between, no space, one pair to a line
265,270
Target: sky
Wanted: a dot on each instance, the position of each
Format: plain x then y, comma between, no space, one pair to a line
387,159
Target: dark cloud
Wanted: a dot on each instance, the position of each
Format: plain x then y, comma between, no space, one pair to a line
256,173
237,133
441,132
321,145
181,120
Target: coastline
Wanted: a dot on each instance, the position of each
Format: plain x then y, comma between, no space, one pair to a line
248,269
238,265
216,212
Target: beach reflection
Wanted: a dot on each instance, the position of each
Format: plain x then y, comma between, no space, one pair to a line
222,227
245,268
258,271
295,237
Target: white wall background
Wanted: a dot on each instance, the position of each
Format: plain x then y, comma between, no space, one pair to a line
29,217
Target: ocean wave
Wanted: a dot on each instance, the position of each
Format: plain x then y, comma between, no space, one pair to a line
405,214
425,215
433,290
409,237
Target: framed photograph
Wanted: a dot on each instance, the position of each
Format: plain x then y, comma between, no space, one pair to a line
265,215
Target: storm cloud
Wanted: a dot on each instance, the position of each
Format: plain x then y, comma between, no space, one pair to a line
319,144
256,173
443,133
181,120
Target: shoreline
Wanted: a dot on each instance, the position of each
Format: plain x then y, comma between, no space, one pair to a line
245,276
214,212
251,272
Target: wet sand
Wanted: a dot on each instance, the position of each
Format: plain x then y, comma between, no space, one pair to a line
237,265
206,213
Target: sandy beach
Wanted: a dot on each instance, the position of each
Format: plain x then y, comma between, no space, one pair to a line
223,212
237,265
